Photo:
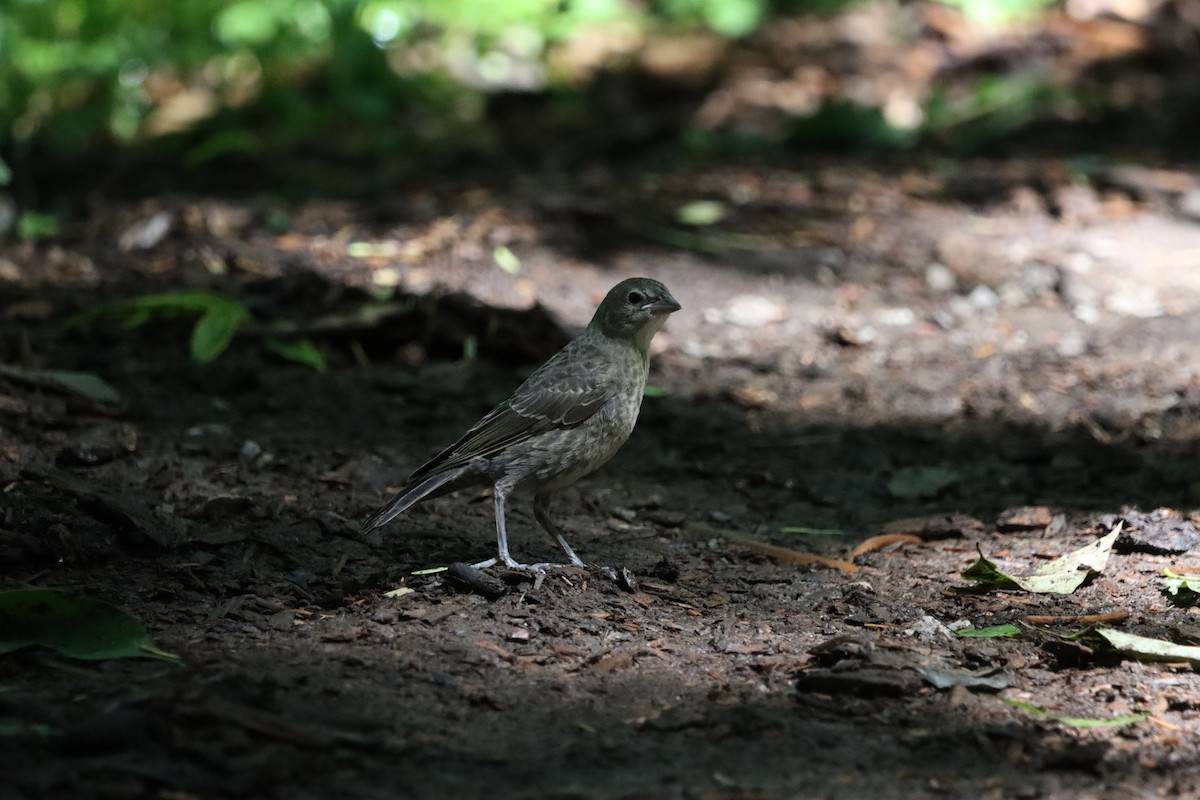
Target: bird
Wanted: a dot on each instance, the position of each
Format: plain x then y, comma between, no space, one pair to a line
566,420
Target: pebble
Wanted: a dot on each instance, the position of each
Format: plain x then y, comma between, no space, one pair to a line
748,311
896,317
1189,205
1134,301
250,450
1072,344
940,278
146,233
983,297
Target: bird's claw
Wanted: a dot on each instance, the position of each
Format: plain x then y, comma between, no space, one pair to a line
513,564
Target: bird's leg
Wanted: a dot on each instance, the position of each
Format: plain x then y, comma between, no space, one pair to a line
541,512
498,497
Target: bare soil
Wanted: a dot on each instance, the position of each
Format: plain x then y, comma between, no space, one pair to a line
860,345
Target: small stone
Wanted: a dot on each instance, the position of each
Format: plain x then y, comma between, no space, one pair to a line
1072,344
1039,279
1086,313
752,311
250,450
147,233
1134,300
896,317
983,297
1189,205
940,278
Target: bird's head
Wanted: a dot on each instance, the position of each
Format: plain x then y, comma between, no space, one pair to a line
634,310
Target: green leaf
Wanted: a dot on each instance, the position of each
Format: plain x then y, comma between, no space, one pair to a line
86,384
654,391
246,23
995,631
986,572
1076,722
1061,576
506,260
215,331
32,225
734,18
18,729
301,352
138,310
79,627
1181,590
701,212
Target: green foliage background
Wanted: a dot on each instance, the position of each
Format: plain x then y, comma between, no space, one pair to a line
209,78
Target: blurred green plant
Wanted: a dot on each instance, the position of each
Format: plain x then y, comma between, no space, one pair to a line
75,626
79,72
262,79
993,107
217,321
997,13
35,225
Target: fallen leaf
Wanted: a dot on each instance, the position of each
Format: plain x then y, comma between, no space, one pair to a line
1061,576
987,679
1181,589
700,213
81,383
506,259
995,631
1149,649
78,627
1076,722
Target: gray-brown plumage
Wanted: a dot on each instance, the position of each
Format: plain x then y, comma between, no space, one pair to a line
563,422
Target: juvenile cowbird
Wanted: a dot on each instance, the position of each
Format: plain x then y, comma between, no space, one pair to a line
563,422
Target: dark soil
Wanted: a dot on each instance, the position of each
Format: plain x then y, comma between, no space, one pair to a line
858,346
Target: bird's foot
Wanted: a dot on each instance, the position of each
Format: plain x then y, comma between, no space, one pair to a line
513,564
542,567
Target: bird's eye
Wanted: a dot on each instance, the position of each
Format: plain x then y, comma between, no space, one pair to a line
636,298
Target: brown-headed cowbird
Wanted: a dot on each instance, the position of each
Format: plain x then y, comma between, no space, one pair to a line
563,422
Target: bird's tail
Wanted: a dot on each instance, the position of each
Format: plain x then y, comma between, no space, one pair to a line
408,498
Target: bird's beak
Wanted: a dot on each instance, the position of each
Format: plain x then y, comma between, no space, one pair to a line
665,305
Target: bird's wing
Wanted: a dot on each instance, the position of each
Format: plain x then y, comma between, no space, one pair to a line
563,393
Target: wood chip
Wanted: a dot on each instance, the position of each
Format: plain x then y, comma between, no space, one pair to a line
883,540
787,556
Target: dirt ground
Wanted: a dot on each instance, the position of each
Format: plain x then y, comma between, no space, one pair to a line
860,345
